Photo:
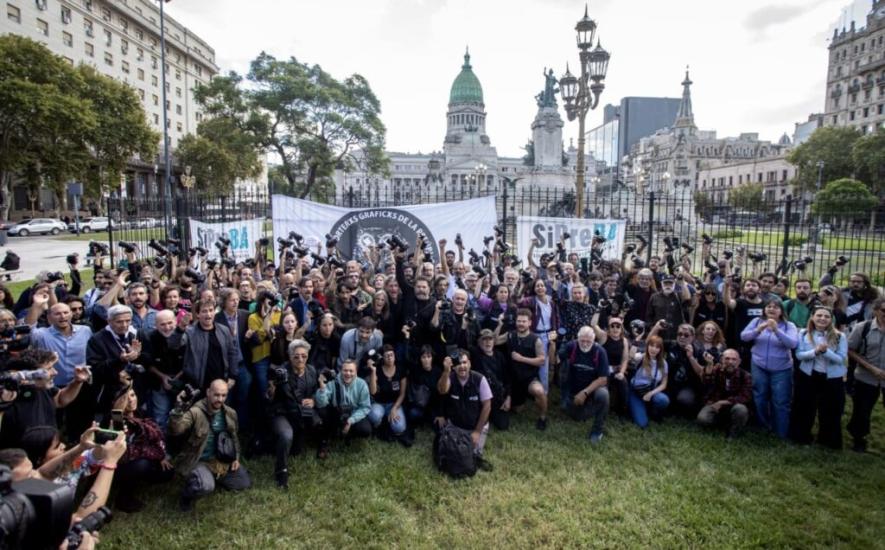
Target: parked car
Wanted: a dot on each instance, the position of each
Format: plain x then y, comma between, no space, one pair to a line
37,226
88,225
148,223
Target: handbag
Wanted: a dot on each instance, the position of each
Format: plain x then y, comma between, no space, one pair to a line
225,447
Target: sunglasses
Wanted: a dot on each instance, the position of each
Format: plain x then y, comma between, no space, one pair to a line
710,294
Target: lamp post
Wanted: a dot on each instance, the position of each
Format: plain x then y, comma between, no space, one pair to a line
167,160
581,94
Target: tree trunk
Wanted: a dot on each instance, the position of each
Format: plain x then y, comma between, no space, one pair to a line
308,183
5,180
873,219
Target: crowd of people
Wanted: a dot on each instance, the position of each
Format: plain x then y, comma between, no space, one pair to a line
176,363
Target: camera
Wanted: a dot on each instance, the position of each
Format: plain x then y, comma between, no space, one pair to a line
263,241
411,324
688,248
706,238
222,248
55,276
315,309
641,238
459,242
757,257
395,243
249,262
278,374
630,248
446,305
301,251
285,243
331,242
637,326
510,317
727,254
34,513
487,240
228,262
526,276
194,275
479,271
502,247
317,259
211,264
96,248
224,239
72,259
665,324
474,257
296,237
159,262
565,236
335,262
598,238
328,374
842,260
128,247
161,250
90,524
498,231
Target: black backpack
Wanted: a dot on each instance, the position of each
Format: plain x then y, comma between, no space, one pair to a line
453,452
11,262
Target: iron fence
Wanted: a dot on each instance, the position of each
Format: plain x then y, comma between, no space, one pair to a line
778,233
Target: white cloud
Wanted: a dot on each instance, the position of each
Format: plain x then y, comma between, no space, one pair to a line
411,50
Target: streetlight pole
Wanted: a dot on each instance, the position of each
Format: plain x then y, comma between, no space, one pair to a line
167,160
581,94
820,175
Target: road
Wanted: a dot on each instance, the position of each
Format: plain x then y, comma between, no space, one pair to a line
45,253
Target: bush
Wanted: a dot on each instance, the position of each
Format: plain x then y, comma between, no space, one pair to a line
797,241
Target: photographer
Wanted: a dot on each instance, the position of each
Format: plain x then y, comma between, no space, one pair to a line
344,404
115,353
455,322
527,355
291,391
492,364
167,345
237,321
588,378
388,384
728,393
467,402
356,342
667,305
35,399
798,309
210,451
325,344
422,398
545,323
211,351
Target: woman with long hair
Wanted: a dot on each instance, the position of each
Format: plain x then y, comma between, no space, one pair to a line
545,323
388,385
708,306
647,396
260,335
832,297
709,338
284,334
820,388
774,338
325,344
379,310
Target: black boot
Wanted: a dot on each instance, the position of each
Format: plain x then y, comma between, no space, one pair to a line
282,478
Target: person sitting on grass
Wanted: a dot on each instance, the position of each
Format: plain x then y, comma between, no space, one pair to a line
728,393
648,384
588,378
527,355
202,461
344,405
467,403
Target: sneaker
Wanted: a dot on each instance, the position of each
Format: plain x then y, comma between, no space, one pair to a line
483,464
595,438
185,504
860,446
541,424
282,478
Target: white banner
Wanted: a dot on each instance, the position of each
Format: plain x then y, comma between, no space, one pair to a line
358,228
548,231
242,235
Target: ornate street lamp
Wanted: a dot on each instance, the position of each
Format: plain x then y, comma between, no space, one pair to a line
581,94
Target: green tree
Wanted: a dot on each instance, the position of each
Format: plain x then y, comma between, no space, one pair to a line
42,115
868,155
844,199
313,123
749,196
830,144
703,204
219,154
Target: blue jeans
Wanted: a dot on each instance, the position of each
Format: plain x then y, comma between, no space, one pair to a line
545,368
161,404
639,408
772,393
380,410
261,368
239,398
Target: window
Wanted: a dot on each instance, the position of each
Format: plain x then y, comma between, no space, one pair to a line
139,34
179,127
139,54
90,51
177,74
141,94
154,63
167,104
87,27
140,74
199,117
87,4
156,120
41,4
67,39
125,66
851,115
106,14
43,27
156,99
866,112
199,70
13,13
109,59
69,60
108,38
65,15
154,80
882,108
124,25
178,109
177,92
124,47
153,43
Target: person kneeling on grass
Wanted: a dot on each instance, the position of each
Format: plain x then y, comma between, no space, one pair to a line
344,404
729,389
467,402
588,376
648,384
211,450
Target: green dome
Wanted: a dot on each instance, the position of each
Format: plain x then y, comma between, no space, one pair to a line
466,87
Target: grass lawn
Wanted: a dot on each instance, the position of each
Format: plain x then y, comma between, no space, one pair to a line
142,234
849,243
17,287
672,486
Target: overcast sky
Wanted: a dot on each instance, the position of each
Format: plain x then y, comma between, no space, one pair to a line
757,65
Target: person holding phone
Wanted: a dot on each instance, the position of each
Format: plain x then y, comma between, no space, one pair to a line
259,336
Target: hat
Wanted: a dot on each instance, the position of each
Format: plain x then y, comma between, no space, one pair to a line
668,277
486,333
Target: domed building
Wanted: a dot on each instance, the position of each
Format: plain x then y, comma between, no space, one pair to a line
468,165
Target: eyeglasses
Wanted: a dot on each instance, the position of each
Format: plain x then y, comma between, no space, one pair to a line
710,294
684,334
615,325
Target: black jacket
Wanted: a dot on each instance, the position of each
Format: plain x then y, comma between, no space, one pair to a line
242,328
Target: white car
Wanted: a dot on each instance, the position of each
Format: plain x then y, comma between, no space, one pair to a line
37,226
90,224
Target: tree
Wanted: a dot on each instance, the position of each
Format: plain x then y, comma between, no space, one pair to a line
844,198
703,204
313,123
219,154
868,155
749,196
833,146
42,115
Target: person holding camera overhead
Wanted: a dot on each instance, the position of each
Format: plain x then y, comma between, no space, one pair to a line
774,339
260,334
291,390
210,452
343,403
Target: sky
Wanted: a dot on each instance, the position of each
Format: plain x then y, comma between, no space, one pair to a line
757,65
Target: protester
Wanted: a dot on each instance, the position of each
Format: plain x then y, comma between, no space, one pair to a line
728,393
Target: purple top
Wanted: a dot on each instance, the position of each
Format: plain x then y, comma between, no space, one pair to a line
772,350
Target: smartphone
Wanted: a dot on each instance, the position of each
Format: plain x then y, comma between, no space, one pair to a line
117,422
103,436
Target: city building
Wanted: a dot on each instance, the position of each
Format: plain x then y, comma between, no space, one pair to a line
804,130
121,39
855,94
468,163
623,125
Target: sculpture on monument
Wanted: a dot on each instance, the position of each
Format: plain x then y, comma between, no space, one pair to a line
547,98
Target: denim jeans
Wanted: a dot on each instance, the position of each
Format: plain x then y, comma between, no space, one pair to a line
161,404
639,408
772,393
239,398
380,410
261,368
543,371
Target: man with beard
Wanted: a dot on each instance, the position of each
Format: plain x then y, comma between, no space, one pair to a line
729,390
859,295
456,324
745,308
667,306
798,309
491,363
527,356
641,294
143,317
416,303
78,309
588,378
167,344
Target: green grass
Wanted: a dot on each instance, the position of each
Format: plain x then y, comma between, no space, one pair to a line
17,287
849,243
143,234
672,486
761,238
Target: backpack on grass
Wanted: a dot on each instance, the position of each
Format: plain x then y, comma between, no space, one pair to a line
453,452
